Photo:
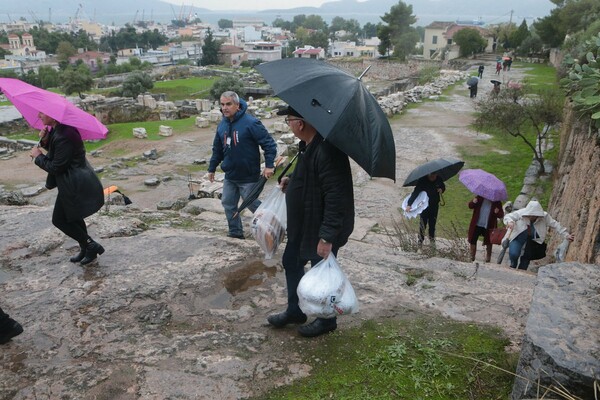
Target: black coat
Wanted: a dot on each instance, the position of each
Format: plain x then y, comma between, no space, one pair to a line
323,198
431,188
79,189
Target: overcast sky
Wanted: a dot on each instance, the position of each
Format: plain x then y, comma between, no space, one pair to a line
252,5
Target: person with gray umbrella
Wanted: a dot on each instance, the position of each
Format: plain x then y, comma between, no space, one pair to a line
320,216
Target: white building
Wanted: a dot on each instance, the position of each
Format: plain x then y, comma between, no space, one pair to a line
265,51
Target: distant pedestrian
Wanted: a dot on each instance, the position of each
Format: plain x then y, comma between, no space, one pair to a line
480,71
498,67
472,83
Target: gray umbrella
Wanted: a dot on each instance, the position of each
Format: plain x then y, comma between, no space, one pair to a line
446,168
340,107
472,81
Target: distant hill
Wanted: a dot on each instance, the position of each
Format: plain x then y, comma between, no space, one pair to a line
122,11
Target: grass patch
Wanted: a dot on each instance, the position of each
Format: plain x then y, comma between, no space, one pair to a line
538,74
395,360
123,131
180,89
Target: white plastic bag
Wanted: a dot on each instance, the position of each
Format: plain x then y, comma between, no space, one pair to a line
325,291
561,251
270,222
420,204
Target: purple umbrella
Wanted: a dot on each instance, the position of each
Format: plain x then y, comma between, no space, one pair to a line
483,184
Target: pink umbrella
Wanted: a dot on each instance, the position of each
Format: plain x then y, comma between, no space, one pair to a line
31,100
483,184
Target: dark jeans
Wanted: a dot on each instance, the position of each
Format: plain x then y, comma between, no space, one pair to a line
73,229
473,90
428,217
294,271
514,251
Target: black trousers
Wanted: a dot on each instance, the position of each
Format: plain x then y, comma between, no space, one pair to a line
73,229
428,217
294,271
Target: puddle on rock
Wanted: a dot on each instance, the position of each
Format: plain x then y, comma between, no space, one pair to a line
16,362
239,279
248,275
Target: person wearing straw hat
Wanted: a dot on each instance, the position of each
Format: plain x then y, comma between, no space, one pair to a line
529,224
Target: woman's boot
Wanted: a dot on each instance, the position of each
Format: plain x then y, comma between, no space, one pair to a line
473,250
81,255
488,253
92,250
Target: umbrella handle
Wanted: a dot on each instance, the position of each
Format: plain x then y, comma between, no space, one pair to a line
286,168
442,201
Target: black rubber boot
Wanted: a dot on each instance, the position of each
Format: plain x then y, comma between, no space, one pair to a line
92,250
81,255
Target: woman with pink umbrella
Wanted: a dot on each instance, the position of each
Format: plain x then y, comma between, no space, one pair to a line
80,193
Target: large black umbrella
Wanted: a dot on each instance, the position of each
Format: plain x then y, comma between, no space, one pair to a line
446,168
340,107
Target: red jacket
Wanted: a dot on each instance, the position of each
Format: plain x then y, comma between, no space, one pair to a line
492,219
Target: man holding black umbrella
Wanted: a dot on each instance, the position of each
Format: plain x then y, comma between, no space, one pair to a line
236,148
320,216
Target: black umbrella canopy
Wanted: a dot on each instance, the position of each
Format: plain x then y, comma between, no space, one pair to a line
340,107
446,168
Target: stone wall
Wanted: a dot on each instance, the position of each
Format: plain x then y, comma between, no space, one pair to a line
560,347
575,200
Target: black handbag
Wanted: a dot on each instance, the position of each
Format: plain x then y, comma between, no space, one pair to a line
535,250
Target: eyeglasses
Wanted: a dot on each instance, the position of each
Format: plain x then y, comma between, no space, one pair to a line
288,120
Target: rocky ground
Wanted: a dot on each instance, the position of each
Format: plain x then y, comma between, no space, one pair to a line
175,309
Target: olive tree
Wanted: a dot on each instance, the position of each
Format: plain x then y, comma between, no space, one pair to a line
525,113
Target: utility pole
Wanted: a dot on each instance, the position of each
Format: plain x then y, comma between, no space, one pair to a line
511,14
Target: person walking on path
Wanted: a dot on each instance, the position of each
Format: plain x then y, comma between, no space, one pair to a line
498,67
80,192
236,148
9,328
484,219
529,224
320,216
480,71
434,186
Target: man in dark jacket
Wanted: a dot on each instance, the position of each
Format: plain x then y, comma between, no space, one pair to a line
434,186
320,216
236,148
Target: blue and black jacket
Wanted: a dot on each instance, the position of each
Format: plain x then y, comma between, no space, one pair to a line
236,147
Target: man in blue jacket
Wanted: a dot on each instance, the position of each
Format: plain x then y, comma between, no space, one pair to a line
236,148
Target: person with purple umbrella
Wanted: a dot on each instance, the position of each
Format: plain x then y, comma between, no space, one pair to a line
484,219
80,192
